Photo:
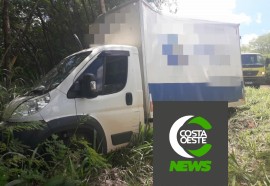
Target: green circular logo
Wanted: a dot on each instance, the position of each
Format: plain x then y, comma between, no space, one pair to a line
192,136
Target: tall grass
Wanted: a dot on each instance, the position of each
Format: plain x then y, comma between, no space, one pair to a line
249,140
132,165
52,162
55,163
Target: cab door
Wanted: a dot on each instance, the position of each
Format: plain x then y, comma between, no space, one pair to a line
118,107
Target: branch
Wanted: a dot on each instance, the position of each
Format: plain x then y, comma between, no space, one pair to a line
25,30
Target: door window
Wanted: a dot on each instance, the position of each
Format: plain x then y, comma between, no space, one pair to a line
110,70
115,74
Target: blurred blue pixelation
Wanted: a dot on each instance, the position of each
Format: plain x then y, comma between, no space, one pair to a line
167,49
177,56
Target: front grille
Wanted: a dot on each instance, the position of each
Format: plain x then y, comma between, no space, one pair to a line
250,73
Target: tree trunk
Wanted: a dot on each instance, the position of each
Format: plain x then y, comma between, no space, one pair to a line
102,6
6,34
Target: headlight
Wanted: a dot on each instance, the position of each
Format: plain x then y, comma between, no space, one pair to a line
263,73
31,106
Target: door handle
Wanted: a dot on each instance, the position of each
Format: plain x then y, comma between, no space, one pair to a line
129,98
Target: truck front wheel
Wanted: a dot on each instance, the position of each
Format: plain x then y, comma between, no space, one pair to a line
90,136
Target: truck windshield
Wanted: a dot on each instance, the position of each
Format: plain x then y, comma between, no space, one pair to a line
59,73
252,60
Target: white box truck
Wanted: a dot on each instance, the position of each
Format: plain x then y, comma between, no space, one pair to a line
138,56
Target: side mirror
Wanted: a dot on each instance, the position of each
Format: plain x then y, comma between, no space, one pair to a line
88,86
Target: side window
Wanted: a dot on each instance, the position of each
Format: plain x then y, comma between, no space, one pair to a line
110,70
260,60
115,74
96,68
252,59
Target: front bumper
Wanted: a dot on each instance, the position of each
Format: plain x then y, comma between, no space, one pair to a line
250,81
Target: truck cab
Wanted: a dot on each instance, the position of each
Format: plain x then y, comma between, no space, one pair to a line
95,92
253,65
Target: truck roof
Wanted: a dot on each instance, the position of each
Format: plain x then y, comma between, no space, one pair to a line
116,8
132,48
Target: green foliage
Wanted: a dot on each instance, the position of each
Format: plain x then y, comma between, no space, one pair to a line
171,4
145,135
42,35
52,162
259,45
56,163
267,75
135,162
7,94
249,140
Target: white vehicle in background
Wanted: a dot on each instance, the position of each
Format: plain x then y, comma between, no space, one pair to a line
139,56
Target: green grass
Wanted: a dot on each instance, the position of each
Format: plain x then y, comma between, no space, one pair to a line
249,140
132,165
59,164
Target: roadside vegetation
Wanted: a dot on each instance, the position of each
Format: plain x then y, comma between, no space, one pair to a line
56,163
249,140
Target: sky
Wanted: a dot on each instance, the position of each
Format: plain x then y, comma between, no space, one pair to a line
252,15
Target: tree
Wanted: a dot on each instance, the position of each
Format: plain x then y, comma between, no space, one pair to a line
11,53
260,45
172,5
245,48
36,35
